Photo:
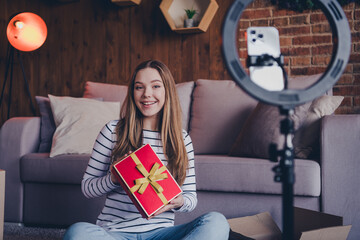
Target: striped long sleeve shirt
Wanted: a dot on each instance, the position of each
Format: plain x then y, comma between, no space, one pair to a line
119,213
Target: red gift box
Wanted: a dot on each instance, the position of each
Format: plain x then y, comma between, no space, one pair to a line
146,180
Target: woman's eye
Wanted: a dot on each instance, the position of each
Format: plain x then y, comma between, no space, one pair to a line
138,87
157,86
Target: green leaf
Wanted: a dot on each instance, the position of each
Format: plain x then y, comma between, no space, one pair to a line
190,13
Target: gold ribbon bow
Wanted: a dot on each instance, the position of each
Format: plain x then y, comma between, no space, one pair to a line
151,177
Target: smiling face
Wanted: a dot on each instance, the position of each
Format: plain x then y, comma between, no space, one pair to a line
149,96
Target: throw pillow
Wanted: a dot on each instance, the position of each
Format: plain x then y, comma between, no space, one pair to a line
307,139
262,128
107,91
78,122
47,126
184,91
218,112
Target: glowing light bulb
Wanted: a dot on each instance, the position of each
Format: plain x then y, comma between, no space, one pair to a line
18,24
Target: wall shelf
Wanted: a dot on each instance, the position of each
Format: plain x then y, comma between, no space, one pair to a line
174,13
126,2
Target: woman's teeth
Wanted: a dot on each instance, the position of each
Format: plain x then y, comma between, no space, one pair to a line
148,103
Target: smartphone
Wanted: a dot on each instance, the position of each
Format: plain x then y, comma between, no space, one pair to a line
261,41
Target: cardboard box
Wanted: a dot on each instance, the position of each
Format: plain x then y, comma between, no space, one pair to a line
2,202
260,226
308,225
146,180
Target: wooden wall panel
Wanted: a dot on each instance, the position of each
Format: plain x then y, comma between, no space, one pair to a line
217,66
95,40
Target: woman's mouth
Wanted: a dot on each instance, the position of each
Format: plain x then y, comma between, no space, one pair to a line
146,104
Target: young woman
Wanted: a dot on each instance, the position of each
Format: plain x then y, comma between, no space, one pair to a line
151,115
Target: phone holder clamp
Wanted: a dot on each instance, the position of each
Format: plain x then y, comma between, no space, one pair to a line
264,60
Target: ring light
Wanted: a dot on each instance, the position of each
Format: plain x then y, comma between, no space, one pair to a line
289,98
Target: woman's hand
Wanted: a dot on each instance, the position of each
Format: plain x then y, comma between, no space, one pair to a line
113,177
175,203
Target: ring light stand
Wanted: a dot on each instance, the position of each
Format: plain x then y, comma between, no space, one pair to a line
287,99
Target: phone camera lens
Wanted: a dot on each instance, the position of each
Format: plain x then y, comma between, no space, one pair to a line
254,39
260,35
253,32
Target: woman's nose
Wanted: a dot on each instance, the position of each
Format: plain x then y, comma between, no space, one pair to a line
147,92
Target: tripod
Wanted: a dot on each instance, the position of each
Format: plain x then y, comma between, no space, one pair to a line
284,172
10,66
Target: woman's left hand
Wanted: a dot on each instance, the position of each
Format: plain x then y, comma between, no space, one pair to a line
175,203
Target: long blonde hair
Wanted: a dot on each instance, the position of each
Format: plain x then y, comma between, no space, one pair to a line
129,128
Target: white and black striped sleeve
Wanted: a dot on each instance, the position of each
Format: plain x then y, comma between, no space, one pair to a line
97,179
189,186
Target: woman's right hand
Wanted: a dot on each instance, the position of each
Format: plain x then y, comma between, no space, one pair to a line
113,177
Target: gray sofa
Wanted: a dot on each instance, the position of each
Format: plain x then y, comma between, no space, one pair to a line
45,191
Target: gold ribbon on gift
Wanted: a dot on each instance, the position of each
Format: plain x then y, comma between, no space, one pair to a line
151,177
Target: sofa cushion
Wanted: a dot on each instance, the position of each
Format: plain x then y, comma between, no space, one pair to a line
263,128
113,92
39,167
307,138
109,92
47,126
235,174
47,123
219,110
78,123
185,91
213,173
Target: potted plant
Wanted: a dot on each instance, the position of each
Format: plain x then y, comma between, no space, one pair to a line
189,21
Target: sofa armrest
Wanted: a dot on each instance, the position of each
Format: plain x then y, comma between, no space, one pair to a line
340,165
18,136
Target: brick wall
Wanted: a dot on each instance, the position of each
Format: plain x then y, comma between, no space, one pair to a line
306,43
